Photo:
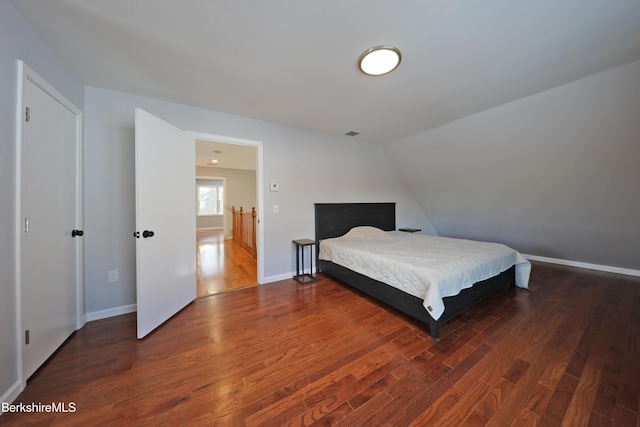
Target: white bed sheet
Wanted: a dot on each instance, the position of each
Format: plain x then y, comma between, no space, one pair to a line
427,267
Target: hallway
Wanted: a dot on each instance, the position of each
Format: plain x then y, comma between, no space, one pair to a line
222,265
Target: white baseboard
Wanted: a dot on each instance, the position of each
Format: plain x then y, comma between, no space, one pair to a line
12,394
110,312
209,228
278,277
607,268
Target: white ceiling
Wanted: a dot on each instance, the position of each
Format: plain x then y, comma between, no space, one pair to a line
229,156
294,61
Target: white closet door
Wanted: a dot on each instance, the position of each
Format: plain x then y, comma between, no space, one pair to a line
165,220
49,255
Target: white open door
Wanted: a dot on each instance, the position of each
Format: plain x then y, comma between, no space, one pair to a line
165,220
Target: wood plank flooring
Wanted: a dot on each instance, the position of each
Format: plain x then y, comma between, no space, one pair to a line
564,353
222,265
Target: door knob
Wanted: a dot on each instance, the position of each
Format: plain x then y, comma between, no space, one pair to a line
75,233
147,233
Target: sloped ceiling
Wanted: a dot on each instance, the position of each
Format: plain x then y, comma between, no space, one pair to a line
294,62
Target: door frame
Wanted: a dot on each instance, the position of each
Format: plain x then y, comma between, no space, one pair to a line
25,73
259,187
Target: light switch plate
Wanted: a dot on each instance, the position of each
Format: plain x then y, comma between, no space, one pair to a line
274,186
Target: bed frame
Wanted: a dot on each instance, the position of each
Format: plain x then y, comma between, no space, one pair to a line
335,219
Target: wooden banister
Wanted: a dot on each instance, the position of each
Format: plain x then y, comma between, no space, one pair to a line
244,230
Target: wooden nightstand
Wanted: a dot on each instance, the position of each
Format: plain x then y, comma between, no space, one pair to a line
302,277
410,230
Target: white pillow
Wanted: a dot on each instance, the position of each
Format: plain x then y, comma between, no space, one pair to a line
366,233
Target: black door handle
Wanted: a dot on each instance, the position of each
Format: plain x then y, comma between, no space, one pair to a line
147,233
75,233
136,234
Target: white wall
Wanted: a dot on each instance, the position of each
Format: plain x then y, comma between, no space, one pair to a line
556,174
310,167
19,41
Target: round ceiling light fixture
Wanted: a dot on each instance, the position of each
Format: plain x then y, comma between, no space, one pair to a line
379,60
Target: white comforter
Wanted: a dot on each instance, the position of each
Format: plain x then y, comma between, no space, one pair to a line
426,267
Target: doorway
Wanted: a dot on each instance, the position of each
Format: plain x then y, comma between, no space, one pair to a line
226,180
165,250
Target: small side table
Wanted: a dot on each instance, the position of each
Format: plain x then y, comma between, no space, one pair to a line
410,230
302,277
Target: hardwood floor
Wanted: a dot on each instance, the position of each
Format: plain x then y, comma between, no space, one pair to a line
565,352
222,265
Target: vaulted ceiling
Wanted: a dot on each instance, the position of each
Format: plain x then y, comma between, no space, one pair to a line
295,62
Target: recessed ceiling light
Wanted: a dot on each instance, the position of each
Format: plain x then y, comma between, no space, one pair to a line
379,60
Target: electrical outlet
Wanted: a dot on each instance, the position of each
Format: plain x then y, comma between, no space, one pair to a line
112,276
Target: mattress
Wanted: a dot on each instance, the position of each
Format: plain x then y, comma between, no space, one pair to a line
428,267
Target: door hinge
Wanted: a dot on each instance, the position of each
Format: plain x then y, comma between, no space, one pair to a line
27,114
26,337
26,225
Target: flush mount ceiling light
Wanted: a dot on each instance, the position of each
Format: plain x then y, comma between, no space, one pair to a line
379,60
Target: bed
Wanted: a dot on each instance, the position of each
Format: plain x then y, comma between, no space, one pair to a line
393,267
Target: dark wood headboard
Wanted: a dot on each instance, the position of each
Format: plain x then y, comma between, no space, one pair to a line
336,219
